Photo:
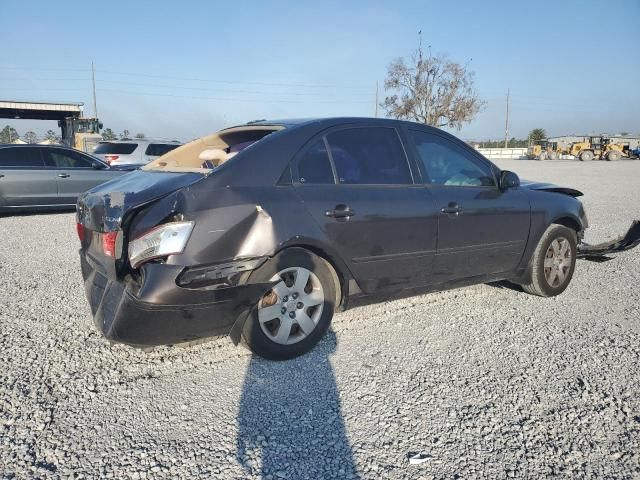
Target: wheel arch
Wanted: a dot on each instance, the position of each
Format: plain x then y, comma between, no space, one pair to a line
340,271
569,222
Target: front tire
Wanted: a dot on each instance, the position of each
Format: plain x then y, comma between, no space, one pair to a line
613,156
291,318
553,262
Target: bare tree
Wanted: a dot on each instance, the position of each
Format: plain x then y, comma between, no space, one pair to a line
431,89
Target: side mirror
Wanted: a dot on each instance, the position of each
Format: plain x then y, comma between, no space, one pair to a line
508,180
97,165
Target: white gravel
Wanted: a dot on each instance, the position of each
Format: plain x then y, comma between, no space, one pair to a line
482,381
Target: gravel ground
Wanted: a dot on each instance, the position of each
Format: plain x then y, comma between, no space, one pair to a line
483,381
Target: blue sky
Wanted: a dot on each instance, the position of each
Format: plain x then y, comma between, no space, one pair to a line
183,69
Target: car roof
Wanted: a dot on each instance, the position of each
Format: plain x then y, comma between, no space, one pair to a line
326,121
143,140
40,145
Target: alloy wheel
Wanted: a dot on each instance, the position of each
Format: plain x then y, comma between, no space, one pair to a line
557,262
291,310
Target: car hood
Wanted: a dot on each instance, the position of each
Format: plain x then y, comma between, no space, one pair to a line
550,187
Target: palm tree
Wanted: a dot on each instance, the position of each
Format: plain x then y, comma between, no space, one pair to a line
537,134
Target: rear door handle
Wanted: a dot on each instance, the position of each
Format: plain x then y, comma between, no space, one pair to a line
452,209
341,211
1,175
64,175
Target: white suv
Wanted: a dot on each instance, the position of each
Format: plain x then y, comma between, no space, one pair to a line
136,151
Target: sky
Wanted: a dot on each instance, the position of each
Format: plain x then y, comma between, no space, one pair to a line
184,69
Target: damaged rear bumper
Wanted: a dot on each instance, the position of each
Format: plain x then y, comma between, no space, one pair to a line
627,241
158,311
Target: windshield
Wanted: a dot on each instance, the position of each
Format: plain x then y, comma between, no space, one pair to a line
208,153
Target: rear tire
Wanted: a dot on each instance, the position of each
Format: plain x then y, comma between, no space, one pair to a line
542,156
586,156
553,262
303,311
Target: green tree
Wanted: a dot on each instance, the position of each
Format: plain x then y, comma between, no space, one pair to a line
431,89
537,134
109,134
30,137
139,135
52,136
125,135
8,135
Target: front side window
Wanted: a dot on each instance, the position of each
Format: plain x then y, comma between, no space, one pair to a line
314,166
447,164
64,159
20,157
369,155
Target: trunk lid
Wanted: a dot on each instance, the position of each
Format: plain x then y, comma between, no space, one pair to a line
103,208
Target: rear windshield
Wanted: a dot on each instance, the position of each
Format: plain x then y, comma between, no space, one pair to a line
117,148
210,152
158,149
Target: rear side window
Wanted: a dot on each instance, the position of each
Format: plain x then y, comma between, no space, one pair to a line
314,166
448,164
159,149
115,148
21,157
370,155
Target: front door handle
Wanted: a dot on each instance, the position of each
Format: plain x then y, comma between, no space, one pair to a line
341,211
63,175
452,209
1,175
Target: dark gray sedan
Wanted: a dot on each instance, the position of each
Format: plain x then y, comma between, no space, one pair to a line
265,229
45,177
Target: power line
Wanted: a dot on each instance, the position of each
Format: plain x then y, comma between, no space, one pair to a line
230,99
234,82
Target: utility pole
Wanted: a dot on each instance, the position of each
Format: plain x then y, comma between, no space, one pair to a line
93,80
506,124
376,109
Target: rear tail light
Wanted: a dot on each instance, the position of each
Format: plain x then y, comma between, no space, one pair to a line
109,243
80,230
163,240
111,158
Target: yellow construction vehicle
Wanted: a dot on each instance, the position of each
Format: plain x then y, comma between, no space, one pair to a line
544,150
81,133
599,148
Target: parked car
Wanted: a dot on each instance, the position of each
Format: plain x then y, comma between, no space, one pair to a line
136,151
44,177
265,229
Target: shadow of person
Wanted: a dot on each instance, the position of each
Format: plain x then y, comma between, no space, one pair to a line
290,420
